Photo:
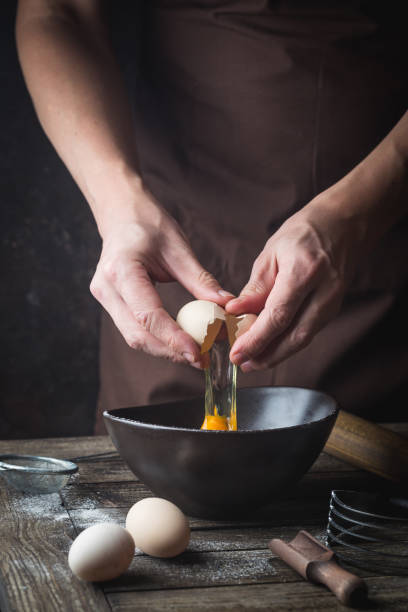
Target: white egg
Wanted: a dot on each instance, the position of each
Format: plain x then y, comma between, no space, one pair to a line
158,527
238,325
101,552
202,320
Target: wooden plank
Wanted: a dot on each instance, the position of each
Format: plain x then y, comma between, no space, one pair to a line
96,470
109,470
85,517
217,538
36,533
59,447
105,494
244,538
220,538
202,569
219,568
385,595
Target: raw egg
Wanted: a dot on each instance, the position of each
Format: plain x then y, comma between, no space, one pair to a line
101,552
238,325
158,527
215,422
202,320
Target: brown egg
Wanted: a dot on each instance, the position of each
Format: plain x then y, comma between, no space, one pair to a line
158,527
238,325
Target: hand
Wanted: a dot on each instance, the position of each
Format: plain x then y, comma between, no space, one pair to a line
137,252
297,285
298,281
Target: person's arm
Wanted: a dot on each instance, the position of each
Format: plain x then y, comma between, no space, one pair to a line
298,281
81,102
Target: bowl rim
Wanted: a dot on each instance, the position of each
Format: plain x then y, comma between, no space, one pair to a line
108,416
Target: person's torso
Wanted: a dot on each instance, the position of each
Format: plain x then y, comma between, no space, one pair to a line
248,109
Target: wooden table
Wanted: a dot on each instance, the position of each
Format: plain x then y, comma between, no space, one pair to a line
227,565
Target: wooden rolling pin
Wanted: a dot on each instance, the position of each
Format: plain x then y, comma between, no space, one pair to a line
369,446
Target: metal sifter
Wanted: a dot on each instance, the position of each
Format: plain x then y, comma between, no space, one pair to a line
35,474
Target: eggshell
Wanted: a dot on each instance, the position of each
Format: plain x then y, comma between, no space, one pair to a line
158,527
238,325
101,552
202,320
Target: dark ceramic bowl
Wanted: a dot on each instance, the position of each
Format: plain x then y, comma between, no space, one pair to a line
221,474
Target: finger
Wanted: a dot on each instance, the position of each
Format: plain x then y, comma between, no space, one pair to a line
188,271
124,321
255,293
137,291
317,311
281,306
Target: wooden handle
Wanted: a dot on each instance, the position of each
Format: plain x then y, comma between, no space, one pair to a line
347,587
369,446
315,562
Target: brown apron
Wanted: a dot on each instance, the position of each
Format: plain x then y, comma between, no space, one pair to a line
246,110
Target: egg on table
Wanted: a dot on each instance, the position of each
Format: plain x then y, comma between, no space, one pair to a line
101,552
158,527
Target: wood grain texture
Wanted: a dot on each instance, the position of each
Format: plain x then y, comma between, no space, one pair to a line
369,446
223,567
385,595
36,533
227,565
59,447
203,539
85,516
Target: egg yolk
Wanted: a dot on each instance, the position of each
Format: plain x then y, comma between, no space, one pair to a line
215,422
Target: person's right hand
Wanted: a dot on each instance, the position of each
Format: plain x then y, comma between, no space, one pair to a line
149,246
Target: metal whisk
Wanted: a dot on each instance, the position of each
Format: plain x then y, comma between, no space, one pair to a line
369,530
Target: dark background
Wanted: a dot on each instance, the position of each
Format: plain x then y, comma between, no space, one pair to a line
48,320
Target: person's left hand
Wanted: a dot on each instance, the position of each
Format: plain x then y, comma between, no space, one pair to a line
296,285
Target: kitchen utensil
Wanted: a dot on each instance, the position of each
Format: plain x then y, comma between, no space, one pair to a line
35,474
369,446
369,530
221,474
315,562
